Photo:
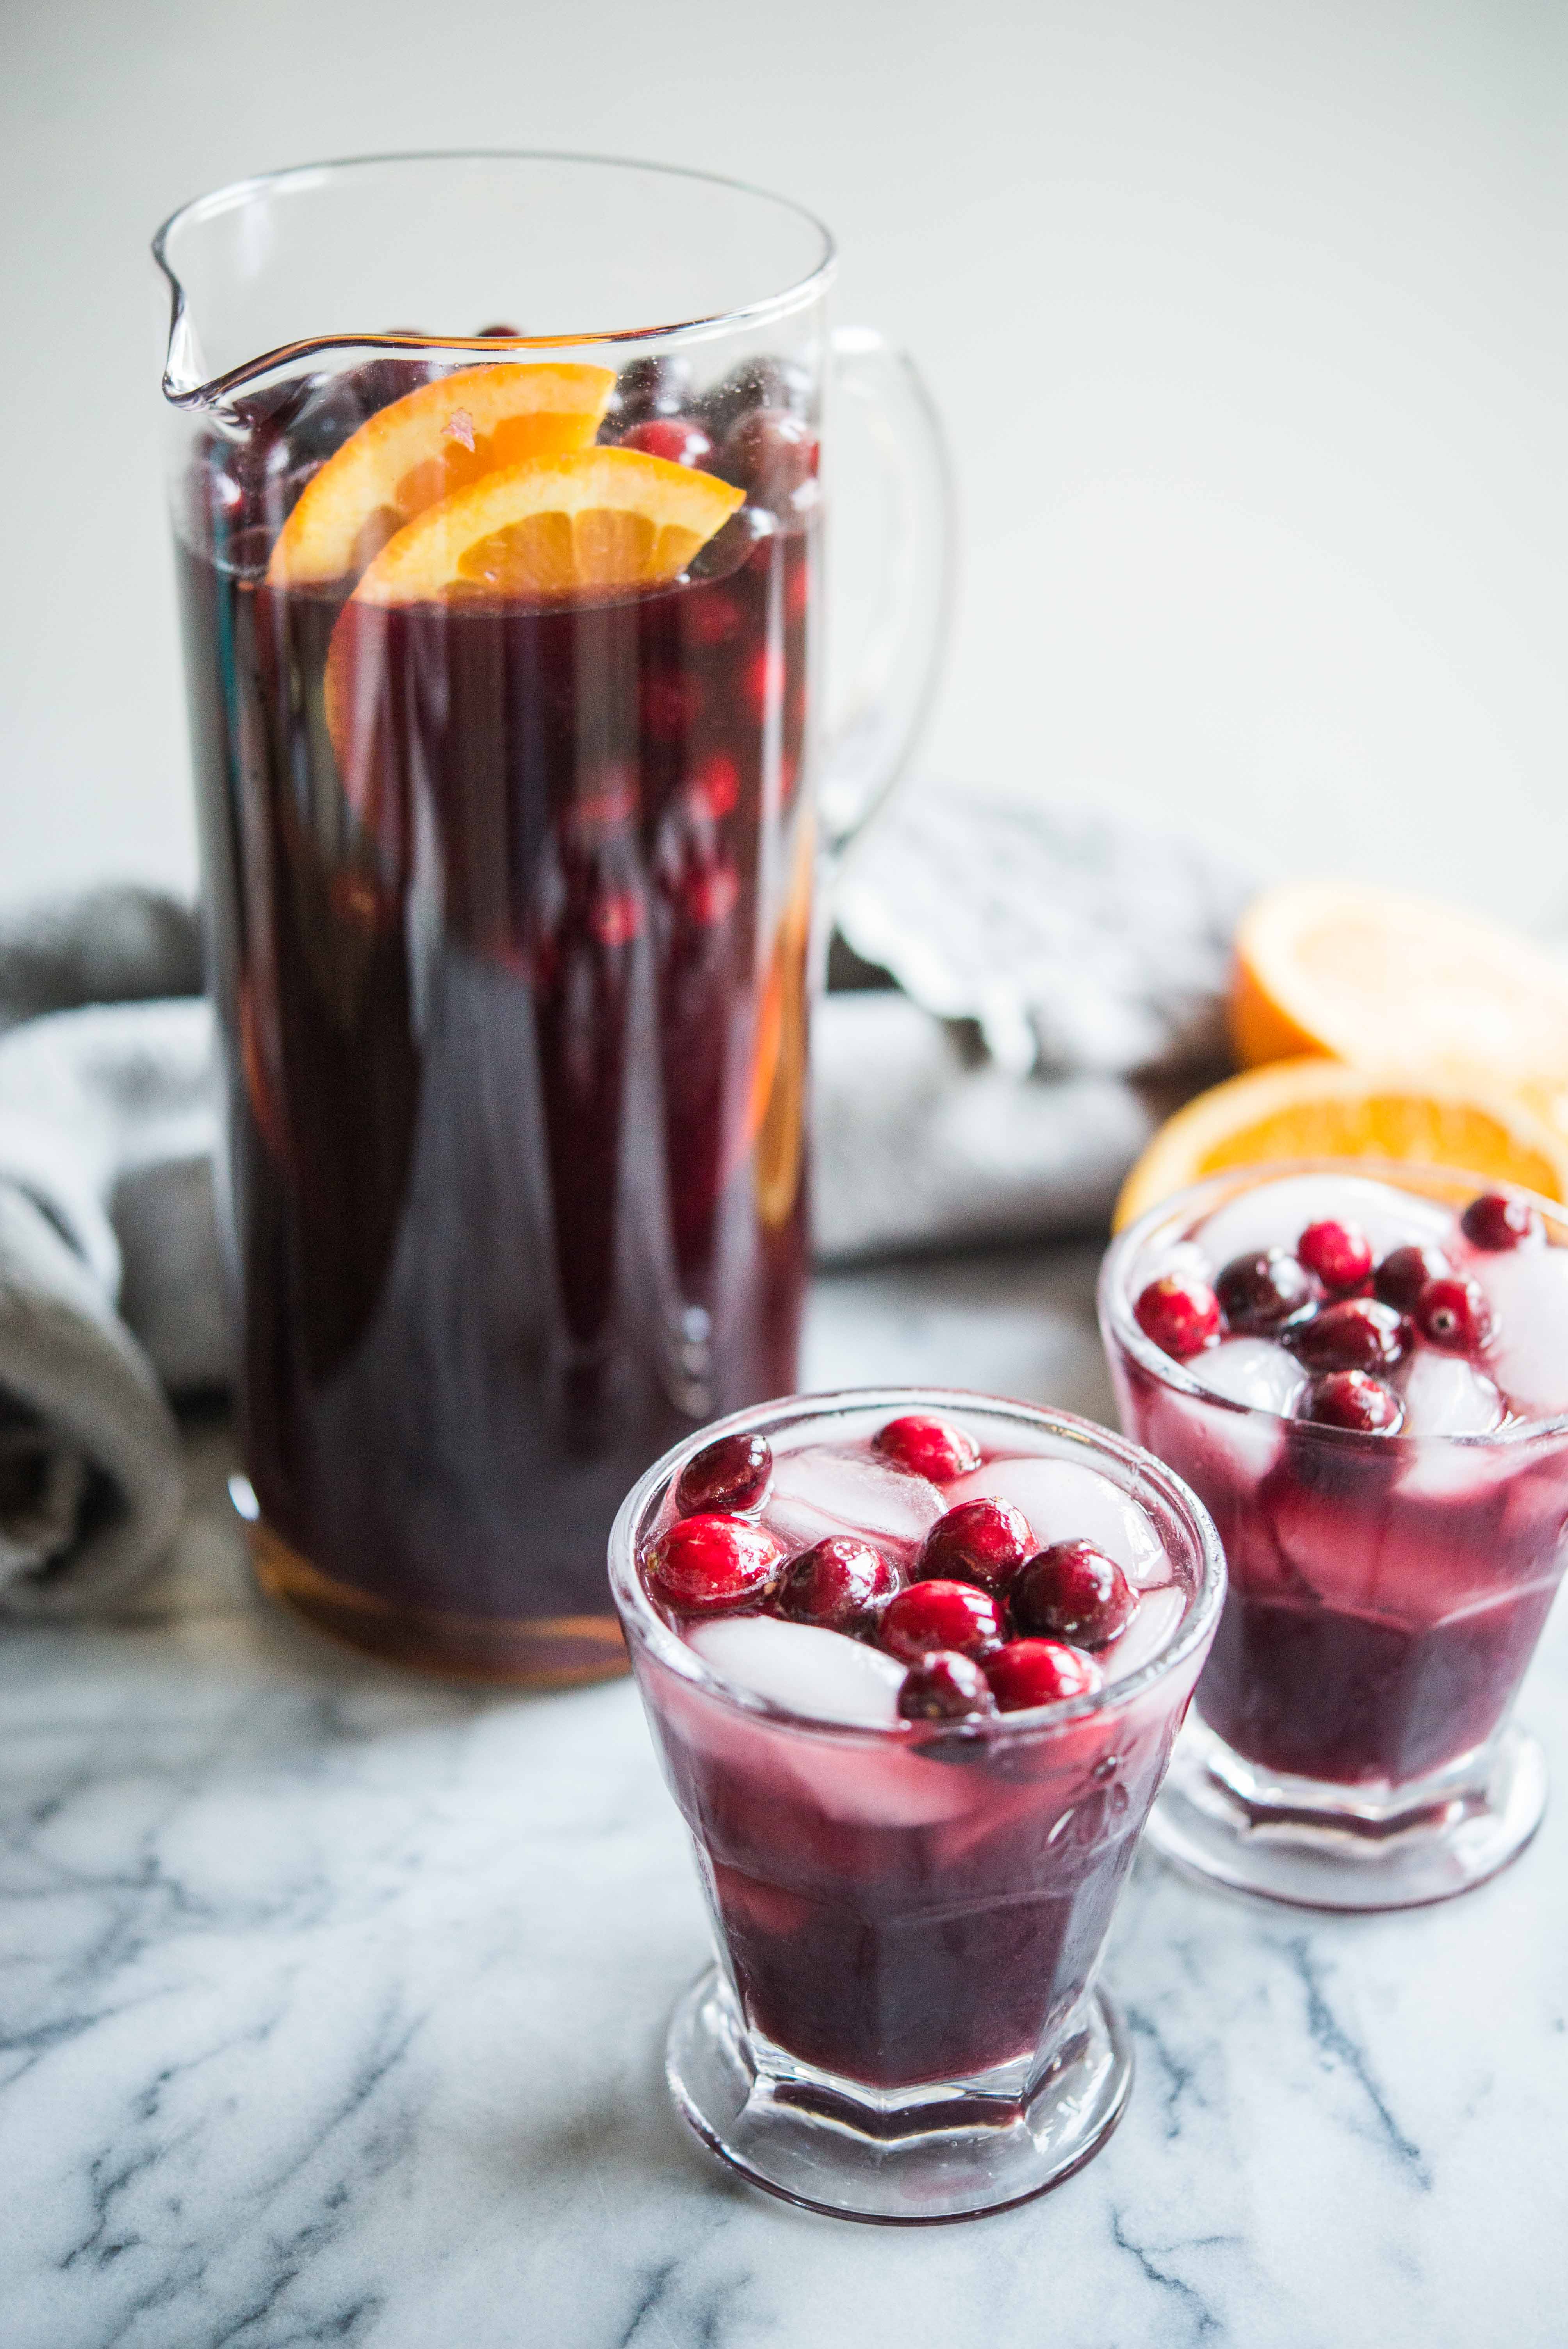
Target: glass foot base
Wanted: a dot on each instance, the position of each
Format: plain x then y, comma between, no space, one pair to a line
549,1651
935,2154
1348,1847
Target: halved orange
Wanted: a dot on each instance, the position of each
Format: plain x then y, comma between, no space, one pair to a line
1327,1108
425,446
598,518
1367,976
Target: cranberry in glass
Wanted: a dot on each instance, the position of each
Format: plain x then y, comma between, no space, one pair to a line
1358,1334
1180,1315
840,1585
1261,1293
714,618
1038,1671
1351,1398
672,438
709,1564
1494,1222
1402,1275
755,383
981,1541
928,1447
1339,1254
649,386
1073,1591
712,1565
715,787
762,681
731,1472
710,894
944,1686
670,703
930,1615
770,453
1454,1314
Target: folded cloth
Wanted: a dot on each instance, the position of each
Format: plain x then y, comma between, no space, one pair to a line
106,1193
1061,979
919,1145
1079,943
114,945
91,1487
107,1122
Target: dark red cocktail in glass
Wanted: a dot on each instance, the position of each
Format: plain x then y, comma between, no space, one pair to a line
913,1663
1364,1377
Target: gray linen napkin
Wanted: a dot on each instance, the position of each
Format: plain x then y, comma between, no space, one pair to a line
105,1124
1061,981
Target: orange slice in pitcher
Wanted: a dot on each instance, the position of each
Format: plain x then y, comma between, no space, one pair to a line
426,447
596,518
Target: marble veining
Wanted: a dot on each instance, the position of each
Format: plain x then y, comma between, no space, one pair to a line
331,2012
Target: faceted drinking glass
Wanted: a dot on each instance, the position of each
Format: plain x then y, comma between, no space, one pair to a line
904,2021
1350,1746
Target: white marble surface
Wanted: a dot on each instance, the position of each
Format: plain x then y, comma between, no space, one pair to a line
331,2010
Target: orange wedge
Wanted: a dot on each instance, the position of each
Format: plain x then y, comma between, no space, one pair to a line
1325,1109
426,447
1366,976
595,519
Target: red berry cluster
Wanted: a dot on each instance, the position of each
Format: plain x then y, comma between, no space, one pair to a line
1349,1319
751,428
986,1622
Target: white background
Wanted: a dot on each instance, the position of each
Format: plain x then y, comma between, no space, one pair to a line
1246,320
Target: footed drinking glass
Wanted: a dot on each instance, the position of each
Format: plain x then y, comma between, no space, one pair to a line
1351,1744
904,2021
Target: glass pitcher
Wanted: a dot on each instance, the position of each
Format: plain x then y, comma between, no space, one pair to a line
498,508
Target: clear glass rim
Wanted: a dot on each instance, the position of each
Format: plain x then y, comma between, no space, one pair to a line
236,192
1117,1320
641,1617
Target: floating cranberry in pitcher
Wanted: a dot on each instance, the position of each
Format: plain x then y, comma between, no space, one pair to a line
672,438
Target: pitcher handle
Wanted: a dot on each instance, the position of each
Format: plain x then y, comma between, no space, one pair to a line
900,666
